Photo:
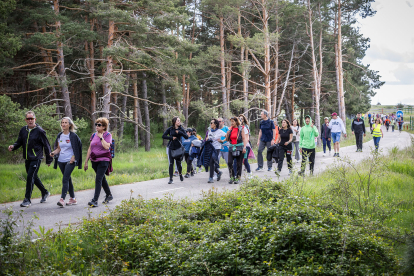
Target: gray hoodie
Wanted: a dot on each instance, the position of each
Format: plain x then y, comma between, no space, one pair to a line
337,125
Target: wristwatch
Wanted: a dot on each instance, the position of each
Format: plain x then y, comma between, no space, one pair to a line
101,138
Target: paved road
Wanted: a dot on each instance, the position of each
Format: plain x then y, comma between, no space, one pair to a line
50,215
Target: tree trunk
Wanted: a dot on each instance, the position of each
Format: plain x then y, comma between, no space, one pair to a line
92,77
340,70
276,77
223,69
337,80
123,109
164,112
61,66
246,86
185,104
136,109
146,113
286,81
109,63
266,56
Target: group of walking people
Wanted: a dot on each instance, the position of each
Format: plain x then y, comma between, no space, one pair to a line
67,154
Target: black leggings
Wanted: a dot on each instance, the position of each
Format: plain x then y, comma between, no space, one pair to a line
171,166
239,161
214,164
100,179
189,162
282,151
66,168
308,153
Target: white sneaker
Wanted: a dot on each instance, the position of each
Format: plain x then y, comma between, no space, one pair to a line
324,155
215,177
250,175
329,153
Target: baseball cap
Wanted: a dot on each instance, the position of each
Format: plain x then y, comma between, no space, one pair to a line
195,130
334,114
189,130
326,118
308,116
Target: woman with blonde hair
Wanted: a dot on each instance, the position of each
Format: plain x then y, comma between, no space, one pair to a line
245,123
68,154
100,155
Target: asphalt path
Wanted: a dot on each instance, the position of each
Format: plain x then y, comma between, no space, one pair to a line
51,216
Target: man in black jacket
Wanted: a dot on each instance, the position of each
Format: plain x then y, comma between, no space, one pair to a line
33,140
358,128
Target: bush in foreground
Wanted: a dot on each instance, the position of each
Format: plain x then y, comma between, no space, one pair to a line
257,230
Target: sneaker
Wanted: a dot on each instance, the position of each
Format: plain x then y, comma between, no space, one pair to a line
25,203
337,155
259,169
181,177
176,173
323,154
219,175
237,181
192,174
72,201
171,181
187,175
210,180
107,199
93,203
290,172
44,197
269,169
357,150
200,170
297,161
215,177
231,181
61,203
329,153
277,172
249,175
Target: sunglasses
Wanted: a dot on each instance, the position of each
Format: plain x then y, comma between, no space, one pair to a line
99,125
29,119
211,123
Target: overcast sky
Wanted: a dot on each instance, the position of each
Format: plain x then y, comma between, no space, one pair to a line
391,31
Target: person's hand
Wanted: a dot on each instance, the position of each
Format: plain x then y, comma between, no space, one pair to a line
272,143
52,154
345,135
311,124
300,150
174,138
85,167
365,135
244,150
352,133
100,135
287,143
72,160
329,139
11,147
258,143
48,165
176,131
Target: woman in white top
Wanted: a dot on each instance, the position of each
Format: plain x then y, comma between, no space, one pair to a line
296,134
245,124
214,135
68,151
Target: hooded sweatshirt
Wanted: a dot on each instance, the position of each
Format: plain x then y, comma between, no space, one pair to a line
358,125
187,142
337,125
307,136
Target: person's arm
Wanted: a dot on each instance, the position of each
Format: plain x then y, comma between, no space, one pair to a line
56,151
18,143
352,127
166,134
274,137
315,131
184,134
260,136
106,145
330,124
290,139
245,141
46,148
88,155
343,127
363,126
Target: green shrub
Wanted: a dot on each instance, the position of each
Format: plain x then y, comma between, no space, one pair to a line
257,230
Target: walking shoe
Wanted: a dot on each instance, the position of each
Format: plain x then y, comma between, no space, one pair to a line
72,201
231,181
250,175
93,203
290,172
329,153
210,180
236,181
176,173
334,154
192,173
25,203
61,202
337,155
269,169
323,154
107,199
200,170
219,175
187,175
181,177
44,197
171,181
259,169
277,172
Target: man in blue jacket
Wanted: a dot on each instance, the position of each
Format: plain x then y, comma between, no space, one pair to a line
34,141
187,145
267,135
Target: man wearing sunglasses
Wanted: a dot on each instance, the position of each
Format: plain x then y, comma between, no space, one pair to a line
32,138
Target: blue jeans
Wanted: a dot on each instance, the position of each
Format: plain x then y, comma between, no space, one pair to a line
326,142
376,142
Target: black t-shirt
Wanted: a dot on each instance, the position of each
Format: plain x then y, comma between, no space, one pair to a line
285,136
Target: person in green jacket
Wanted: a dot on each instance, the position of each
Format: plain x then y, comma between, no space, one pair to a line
307,144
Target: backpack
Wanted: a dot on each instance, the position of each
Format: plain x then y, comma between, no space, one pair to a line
111,147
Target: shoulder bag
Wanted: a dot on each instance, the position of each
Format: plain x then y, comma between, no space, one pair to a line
178,153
